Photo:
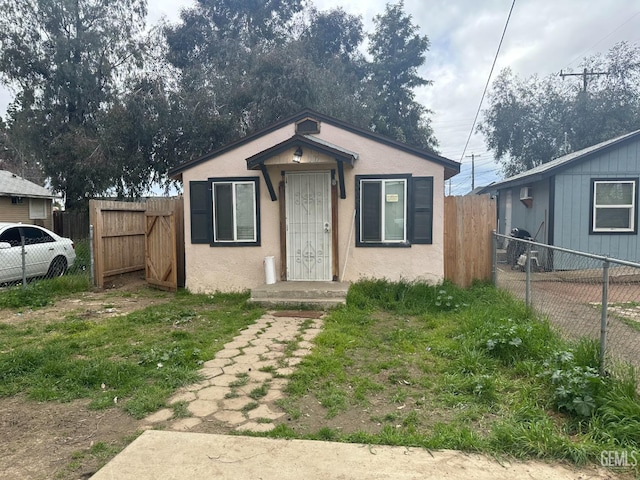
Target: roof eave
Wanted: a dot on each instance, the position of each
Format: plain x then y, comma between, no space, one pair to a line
256,160
537,176
451,167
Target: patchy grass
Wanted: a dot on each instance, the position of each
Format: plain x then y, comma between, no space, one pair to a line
98,454
134,361
40,293
474,370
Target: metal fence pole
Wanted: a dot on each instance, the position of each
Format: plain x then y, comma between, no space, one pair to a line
528,277
91,260
494,258
603,318
24,262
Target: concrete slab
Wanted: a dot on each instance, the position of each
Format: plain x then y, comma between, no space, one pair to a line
230,417
263,411
247,359
211,372
216,362
176,455
185,424
236,403
159,416
255,427
213,393
182,397
228,353
202,408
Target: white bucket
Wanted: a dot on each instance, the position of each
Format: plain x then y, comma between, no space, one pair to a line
270,270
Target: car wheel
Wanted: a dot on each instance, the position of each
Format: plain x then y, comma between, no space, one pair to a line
57,268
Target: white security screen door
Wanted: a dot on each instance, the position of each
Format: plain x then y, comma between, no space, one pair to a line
308,198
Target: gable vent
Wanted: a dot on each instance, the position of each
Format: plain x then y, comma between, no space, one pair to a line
307,126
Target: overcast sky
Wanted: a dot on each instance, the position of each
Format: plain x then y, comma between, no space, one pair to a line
543,37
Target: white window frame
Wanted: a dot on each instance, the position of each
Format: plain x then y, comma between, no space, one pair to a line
383,196
37,215
632,207
234,184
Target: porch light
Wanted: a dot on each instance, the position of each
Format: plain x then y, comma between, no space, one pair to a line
297,156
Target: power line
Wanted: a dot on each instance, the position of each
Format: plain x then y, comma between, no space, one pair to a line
584,76
606,36
486,87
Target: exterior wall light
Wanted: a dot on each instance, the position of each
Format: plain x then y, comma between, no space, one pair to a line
297,156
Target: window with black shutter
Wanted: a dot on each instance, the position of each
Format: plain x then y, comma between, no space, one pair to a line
393,210
200,201
225,211
381,210
422,210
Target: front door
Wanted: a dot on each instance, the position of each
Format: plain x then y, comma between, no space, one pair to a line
308,200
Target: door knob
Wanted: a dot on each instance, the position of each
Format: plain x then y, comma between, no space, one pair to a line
327,227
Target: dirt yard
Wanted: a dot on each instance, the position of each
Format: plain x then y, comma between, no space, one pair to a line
68,441
51,439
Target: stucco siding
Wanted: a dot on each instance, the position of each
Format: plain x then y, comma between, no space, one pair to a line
573,203
238,268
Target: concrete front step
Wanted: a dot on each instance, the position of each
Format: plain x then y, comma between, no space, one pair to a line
318,294
293,303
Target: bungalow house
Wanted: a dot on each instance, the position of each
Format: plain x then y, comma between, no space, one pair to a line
586,200
327,200
22,201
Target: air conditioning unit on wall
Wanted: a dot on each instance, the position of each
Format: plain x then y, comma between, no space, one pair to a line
526,196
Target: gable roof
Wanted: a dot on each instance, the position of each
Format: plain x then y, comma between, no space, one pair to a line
547,169
339,153
451,167
12,185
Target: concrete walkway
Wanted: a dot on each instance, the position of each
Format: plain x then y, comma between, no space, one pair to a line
246,377
240,387
170,455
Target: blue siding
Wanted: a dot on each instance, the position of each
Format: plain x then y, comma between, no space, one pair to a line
535,218
573,203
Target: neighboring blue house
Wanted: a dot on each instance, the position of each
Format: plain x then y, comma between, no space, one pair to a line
586,200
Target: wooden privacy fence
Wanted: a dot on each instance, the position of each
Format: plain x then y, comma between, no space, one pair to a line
73,224
468,225
161,266
120,240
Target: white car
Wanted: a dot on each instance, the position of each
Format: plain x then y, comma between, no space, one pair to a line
46,254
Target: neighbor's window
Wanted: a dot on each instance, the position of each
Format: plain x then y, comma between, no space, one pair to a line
234,211
37,208
383,210
614,206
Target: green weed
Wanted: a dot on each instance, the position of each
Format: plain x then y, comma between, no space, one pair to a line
134,361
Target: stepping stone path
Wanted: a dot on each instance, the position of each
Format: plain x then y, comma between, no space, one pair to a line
244,380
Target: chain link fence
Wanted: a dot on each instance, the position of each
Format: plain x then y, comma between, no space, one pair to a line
29,253
582,294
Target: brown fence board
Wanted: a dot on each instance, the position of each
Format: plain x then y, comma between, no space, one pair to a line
120,232
161,256
468,224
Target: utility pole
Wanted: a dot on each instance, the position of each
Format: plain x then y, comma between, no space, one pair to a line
473,170
584,76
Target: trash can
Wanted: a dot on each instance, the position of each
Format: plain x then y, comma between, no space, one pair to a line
270,270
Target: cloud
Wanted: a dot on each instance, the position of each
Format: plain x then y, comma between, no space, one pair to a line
543,37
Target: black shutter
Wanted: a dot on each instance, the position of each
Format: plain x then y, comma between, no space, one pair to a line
422,209
200,202
223,211
370,211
